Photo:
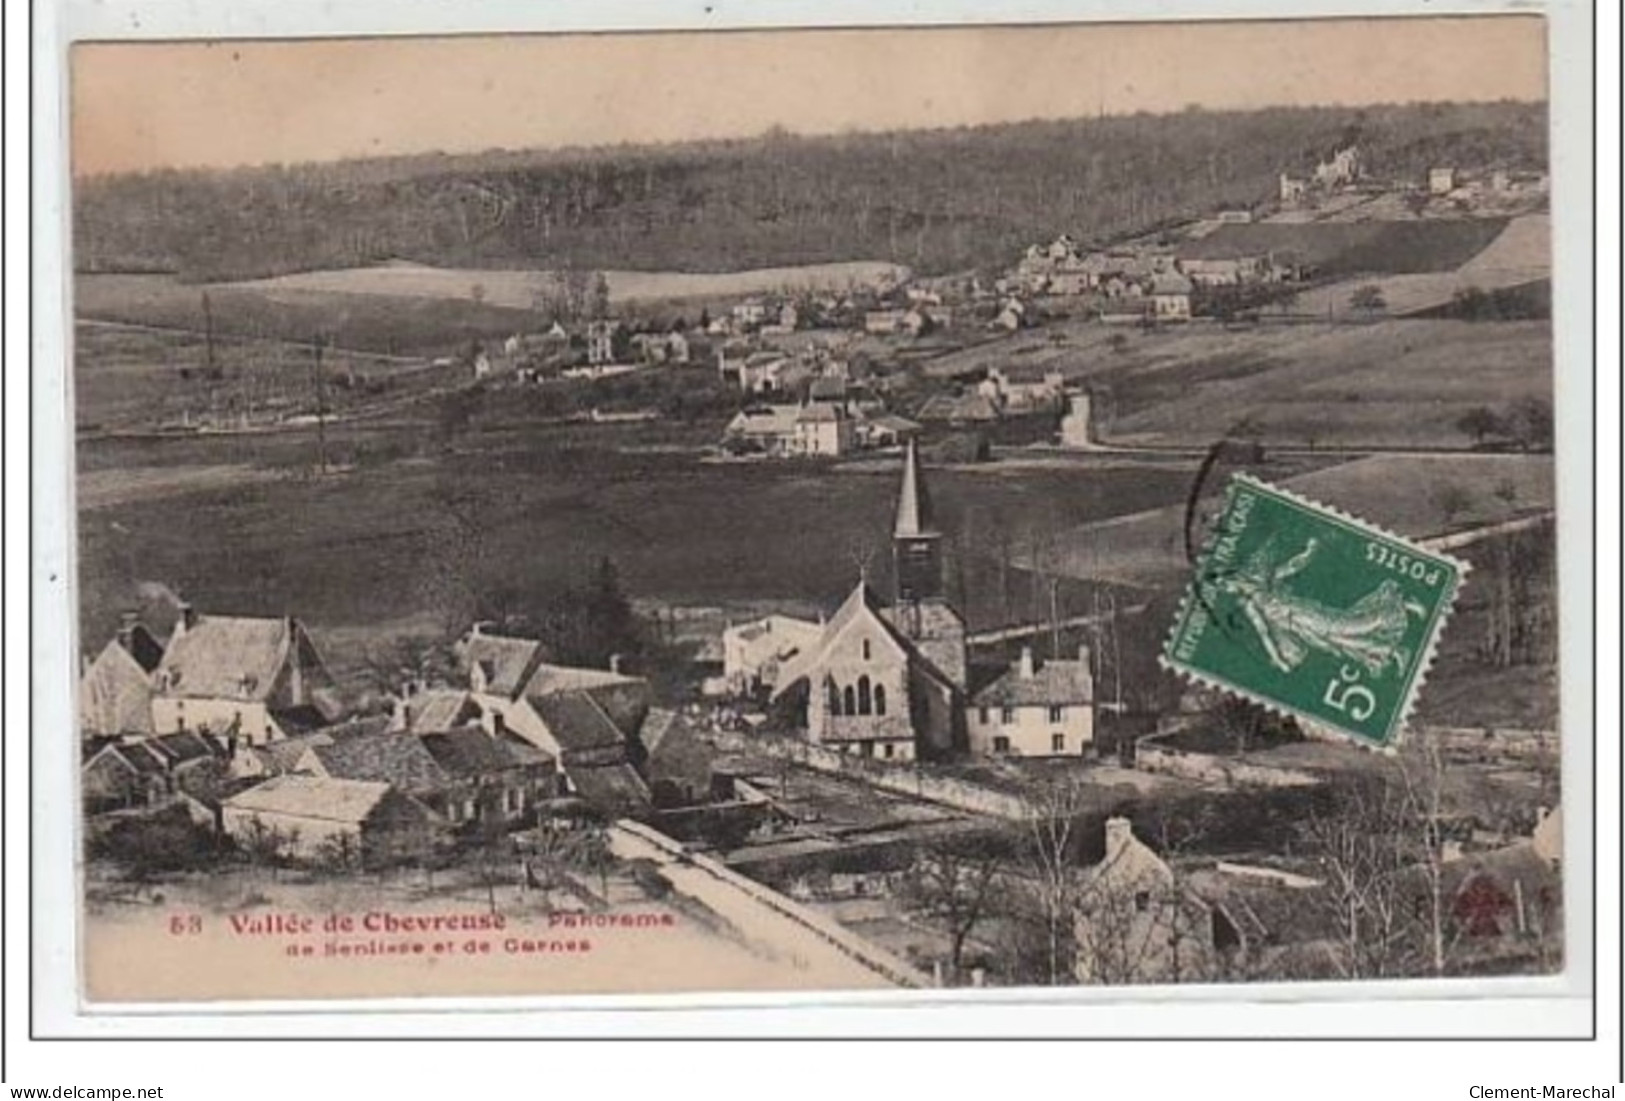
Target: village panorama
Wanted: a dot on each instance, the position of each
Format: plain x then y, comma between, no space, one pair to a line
762,550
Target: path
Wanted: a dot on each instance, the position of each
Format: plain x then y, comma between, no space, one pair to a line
830,956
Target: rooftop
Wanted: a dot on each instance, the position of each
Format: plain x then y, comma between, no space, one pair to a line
350,801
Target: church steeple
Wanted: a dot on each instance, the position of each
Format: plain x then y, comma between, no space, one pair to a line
916,542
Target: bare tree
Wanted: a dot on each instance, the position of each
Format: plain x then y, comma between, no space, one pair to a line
952,884
1052,828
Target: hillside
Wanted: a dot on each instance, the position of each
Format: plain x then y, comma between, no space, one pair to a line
935,201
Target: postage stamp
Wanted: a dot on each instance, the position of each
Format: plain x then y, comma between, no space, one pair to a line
1313,613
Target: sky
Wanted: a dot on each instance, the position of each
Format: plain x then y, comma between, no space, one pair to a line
137,106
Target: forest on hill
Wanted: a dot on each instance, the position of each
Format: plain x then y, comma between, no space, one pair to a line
935,200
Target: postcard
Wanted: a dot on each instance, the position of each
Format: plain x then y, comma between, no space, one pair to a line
971,507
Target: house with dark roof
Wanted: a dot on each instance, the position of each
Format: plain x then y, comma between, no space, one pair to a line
141,772
258,679
1035,709
115,690
487,776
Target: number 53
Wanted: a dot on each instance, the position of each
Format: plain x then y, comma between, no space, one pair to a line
1353,700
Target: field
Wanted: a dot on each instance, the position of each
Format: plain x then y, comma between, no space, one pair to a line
1390,384
1401,493
382,543
520,290
411,327
1341,248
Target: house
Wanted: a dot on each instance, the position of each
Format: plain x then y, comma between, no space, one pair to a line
754,652
1044,395
115,692
1548,837
750,313
503,777
769,429
1292,190
888,681
1441,180
1035,709
318,819
1136,923
1341,169
1234,217
822,430
1012,315
1170,297
972,407
578,717
607,342
258,678
884,322
884,430
147,771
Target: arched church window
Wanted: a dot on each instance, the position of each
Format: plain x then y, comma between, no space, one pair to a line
851,701
865,702
834,698
880,700
865,649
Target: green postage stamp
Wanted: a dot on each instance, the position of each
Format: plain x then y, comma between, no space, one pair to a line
1313,613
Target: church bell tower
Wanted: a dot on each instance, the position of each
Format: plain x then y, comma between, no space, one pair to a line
916,542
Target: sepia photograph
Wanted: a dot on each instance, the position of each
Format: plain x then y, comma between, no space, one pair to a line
970,507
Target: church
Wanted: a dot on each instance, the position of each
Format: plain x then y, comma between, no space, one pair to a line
889,679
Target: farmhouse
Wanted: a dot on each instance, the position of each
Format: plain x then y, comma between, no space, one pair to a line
1035,710
313,818
146,771
259,679
115,692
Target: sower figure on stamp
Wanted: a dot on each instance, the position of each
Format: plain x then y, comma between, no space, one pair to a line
1290,626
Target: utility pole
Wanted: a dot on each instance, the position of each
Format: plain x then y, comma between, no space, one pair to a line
321,410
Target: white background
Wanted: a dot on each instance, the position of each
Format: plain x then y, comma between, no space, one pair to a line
36,569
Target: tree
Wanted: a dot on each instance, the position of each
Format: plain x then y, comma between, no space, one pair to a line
267,846
1368,298
1481,422
953,886
1529,423
1057,805
1452,500
600,296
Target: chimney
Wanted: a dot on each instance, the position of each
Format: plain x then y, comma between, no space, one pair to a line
127,623
614,663
1119,832
1026,663
187,620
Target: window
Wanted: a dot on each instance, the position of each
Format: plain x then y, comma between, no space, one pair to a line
1007,715
1001,744
865,698
1142,901
866,651
1056,713
851,699
983,716
891,750
834,699
1057,743
880,699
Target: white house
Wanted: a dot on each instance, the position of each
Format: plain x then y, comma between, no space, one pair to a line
1441,180
1171,297
1035,710
822,429
259,678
